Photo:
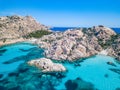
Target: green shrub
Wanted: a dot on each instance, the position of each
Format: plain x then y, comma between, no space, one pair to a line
108,42
4,40
37,34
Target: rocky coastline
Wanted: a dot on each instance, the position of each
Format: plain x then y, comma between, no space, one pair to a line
12,41
80,43
14,28
69,45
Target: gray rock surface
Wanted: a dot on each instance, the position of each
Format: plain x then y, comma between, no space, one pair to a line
114,48
74,44
16,26
46,65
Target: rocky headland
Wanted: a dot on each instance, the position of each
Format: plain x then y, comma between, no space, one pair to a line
80,43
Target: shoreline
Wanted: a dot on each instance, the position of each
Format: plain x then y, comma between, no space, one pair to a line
8,42
32,41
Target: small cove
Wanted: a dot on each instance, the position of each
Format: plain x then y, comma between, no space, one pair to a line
15,73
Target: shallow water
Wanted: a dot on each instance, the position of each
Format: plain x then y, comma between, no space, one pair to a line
14,56
91,74
96,71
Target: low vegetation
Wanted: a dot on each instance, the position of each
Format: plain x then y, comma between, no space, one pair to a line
37,34
109,42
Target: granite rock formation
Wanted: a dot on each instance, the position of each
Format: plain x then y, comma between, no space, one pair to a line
114,48
46,65
77,43
13,27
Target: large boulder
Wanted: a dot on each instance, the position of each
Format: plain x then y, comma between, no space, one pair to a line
46,65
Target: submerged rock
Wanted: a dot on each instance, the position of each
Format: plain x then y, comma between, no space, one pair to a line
111,63
106,75
1,75
2,51
13,74
46,65
78,84
15,88
33,54
115,70
117,88
3,88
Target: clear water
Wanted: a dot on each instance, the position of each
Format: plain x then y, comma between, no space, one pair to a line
90,74
94,70
15,55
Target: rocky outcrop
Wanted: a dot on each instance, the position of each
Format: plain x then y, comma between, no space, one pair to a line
101,32
114,48
46,65
17,26
104,33
77,43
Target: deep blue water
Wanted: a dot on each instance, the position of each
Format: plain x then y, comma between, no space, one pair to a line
91,74
117,30
61,28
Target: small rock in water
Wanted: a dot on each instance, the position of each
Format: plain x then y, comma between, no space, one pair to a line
47,65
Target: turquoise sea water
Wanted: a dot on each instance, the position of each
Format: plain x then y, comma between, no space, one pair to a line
89,74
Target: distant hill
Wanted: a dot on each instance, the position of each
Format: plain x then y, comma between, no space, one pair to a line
12,27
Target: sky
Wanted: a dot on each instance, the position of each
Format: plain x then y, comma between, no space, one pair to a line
66,13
